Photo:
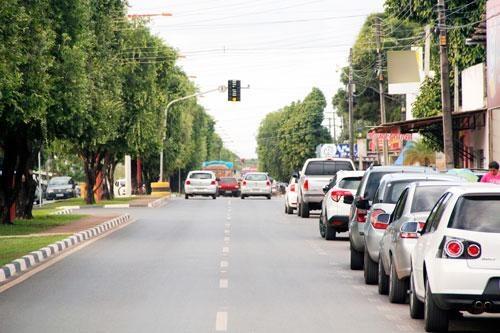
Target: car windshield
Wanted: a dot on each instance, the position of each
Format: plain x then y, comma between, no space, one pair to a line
228,180
59,181
326,168
394,190
256,177
425,197
201,175
477,213
350,183
372,184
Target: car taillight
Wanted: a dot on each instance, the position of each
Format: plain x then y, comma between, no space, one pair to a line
360,215
337,194
244,183
213,182
306,185
268,183
188,182
457,248
292,188
374,222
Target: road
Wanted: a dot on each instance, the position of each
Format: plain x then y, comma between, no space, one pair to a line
205,265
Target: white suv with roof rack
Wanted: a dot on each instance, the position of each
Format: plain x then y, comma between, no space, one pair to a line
455,265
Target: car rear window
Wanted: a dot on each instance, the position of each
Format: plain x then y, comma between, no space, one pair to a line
425,197
256,177
228,180
201,175
394,190
350,183
372,184
326,168
477,213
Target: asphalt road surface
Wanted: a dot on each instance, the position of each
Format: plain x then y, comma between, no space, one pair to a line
204,265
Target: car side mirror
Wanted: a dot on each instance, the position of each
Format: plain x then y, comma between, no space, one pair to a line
348,199
295,175
326,188
363,204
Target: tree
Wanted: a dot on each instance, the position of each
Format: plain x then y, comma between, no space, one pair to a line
420,154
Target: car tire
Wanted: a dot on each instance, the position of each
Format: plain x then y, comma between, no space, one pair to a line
321,226
304,210
370,269
214,196
288,209
243,197
416,306
435,318
186,196
356,259
268,197
330,232
398,289
383,279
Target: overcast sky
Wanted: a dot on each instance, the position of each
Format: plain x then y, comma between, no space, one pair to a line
281,48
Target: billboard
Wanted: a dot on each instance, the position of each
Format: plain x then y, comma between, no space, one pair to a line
493,49
335,150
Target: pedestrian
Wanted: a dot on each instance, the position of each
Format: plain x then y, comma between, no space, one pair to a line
493,176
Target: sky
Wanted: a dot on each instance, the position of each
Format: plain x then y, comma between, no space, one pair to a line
279,49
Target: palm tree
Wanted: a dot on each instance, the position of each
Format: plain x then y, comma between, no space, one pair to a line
420,154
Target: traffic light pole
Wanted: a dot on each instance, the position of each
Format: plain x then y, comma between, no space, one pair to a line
172,102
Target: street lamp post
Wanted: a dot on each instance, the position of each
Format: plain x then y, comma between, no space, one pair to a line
219,89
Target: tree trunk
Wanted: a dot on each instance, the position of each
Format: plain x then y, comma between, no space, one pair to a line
106,195
8,182
24,177
90,177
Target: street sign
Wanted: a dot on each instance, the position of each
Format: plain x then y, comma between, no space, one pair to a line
234,90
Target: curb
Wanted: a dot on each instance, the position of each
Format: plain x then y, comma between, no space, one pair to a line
34,258
63,211
158,202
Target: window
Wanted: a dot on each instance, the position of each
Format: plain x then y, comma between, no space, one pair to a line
436,213
256,177
200,175
372,184
425,197
394,190
400,205
350,183
477,213
228,180
326,168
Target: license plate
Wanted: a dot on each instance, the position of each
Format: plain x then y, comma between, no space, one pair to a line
228,192
59,195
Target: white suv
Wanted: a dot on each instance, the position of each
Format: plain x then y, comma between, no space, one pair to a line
455,265
200,182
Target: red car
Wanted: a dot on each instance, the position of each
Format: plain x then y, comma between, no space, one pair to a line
229,186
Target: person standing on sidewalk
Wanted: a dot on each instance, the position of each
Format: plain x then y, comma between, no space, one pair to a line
493,176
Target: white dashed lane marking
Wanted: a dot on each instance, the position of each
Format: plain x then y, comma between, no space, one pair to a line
221,321
223,283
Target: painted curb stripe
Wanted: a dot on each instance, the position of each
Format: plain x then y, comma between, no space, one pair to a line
22,264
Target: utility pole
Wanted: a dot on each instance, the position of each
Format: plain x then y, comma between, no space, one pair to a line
445,87
380,75
334,128
351,124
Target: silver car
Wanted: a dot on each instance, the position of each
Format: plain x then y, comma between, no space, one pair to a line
361,204
384,201
409,216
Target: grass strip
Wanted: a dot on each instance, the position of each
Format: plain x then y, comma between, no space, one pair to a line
39,223
13,248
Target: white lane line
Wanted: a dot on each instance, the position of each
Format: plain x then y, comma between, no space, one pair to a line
224,264
225,249
223,271
227,225
227,239
227,232
223,283
221,321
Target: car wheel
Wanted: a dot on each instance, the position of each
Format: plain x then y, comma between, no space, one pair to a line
242,197
398,289
356,259
214,196
330,233
370,269
383,279
435,318
186,196
321,226
304,210
268,197
288,209
416,306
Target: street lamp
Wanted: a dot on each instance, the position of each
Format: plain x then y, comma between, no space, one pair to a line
219,89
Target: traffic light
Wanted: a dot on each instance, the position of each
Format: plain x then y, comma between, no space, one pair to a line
234,90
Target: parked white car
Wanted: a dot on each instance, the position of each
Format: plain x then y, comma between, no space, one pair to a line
256,184
336,204
200,182
455,263
291,196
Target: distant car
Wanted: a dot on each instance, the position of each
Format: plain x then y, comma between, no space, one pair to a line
361,205
409,215
314,176
390,188
256,184
337,201
291,196
200,182
228,186
455,265
61,188
120,187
